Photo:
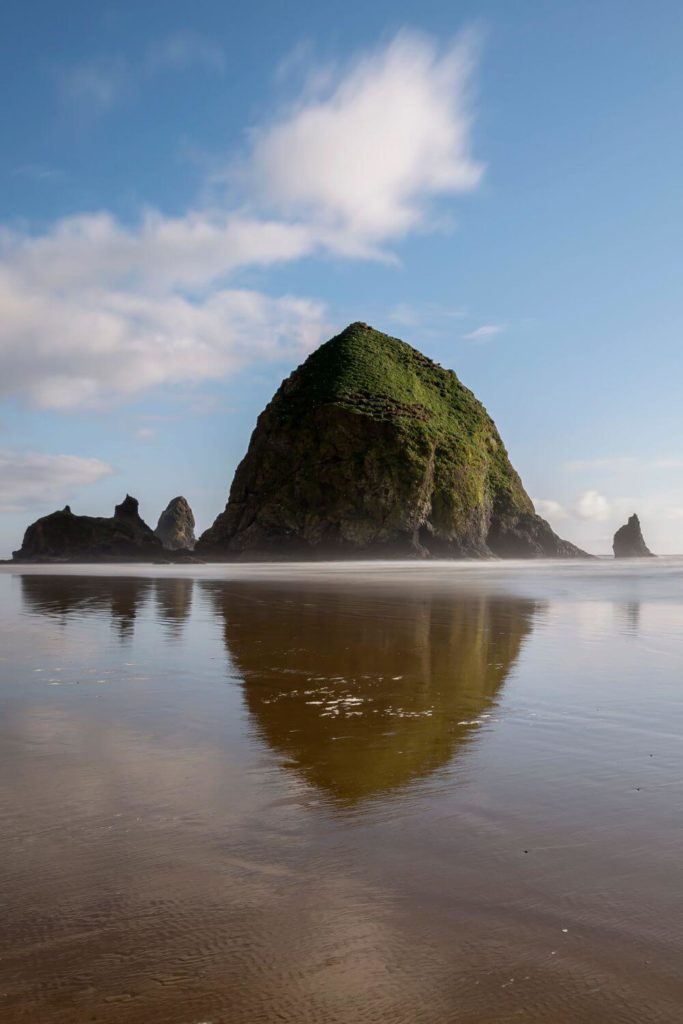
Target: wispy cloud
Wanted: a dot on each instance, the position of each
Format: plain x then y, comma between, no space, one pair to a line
610,465
98,84
484,332
145,433
296,63
404,315
39,172
431,317
94,309
30,478
624,464
184,50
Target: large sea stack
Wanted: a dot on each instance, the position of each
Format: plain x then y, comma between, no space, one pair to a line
175,528
370,449
65,537
629,541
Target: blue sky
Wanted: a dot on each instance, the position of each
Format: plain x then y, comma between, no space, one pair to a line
194,196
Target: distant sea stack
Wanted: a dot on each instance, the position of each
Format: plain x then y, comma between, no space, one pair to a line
175,528
65,537
370,449
629,541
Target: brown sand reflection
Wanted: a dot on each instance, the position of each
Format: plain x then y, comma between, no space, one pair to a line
364,693
174,602
159,866
119,597
63,596
630,612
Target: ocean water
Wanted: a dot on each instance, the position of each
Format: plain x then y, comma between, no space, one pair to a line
342,794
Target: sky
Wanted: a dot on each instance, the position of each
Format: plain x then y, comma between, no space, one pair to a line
193,197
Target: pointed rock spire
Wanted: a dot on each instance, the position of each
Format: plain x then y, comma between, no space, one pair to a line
629,541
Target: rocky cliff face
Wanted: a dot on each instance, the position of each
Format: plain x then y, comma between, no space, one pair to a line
175,528
629,541
65,537
369,449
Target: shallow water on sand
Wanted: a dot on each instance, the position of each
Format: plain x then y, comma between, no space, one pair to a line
342,794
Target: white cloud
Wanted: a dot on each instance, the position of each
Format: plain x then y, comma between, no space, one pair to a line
592,518
83,346
188,252
589,505
483,332
592,505
550,509
93,309
31,477
362,159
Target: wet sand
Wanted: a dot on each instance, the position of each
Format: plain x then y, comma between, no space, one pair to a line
342,794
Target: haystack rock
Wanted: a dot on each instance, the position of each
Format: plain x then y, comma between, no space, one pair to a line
65,537
629,541
175,528
370,449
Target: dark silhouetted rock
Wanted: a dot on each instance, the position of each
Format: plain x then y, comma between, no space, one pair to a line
128,509
65,537
370,449
629,541
175,528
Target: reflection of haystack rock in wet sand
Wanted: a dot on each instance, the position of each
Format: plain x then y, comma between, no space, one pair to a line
364,694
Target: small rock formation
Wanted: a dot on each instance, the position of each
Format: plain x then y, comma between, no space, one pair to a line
65,537
629,541
175,528
370,449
